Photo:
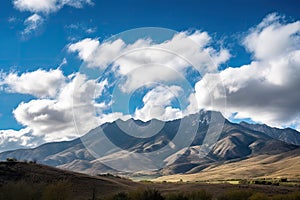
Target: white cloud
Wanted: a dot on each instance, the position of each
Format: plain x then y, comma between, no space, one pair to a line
266,90
53,118
84,48
36,5
184,50
39,83
41,8
272,38
50,117
47,6
12,139
32,23
158,104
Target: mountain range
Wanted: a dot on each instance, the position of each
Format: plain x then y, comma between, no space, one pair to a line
240,150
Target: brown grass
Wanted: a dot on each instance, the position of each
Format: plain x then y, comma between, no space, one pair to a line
262,166
84,186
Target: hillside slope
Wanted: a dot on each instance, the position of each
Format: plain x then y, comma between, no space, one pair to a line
236,142
285,165
82,185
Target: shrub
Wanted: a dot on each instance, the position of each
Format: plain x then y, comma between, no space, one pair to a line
11,160
283,180
33,161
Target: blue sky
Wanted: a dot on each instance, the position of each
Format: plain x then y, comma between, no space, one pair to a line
49,42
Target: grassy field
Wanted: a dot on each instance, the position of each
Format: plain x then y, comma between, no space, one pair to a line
258,167
64,190
22,181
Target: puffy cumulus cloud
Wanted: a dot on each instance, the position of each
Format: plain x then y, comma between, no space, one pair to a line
266,90
96,54
32,23
209,94
47,6
183,50
272,38
41,8
65,107
48,118
158,104
85,48
270,97
53,118
39,83
12,139
36,5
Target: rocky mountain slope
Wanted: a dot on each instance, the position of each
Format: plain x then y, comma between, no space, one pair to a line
236,142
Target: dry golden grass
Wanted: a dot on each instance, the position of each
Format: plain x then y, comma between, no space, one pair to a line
83,186
285,165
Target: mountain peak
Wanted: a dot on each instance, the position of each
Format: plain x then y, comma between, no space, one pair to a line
237,141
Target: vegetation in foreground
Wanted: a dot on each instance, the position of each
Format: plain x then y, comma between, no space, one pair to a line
23,191
153,194
63,191
31,181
